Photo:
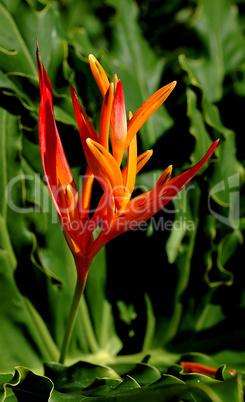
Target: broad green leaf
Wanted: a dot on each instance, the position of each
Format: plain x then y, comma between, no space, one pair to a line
15,308
222,45
143,373
83,18
197,128
100,308
60,397
4,378
45,26
82,44
78,376
20,324
28,386
104,384
9,88
226,248
64,117
228,176
185,224
101,387
127,384
15,55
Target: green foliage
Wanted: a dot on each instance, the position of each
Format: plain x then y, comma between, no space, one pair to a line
136,382
175,285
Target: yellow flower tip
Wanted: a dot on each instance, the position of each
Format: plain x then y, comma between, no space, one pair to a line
70,194
166,91
99,74
174,83
89,142
97,150
164,178
115,81
143,159
94,64
169,170
130,115
93,61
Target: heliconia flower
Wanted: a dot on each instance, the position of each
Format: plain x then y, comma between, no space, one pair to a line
117,212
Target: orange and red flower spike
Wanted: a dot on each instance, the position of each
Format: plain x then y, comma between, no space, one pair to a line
116,211
118,124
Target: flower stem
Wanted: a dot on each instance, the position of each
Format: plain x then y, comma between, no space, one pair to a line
80,285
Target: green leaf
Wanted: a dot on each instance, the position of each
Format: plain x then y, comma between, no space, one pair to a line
82,44
9,88
19,318
197,128
4,378
142,373
78,376
222,45
27,386
127,384
100,308
17,58
45,26
228,175
225,250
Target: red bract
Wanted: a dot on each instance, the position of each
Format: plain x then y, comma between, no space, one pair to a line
193,367
117,212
